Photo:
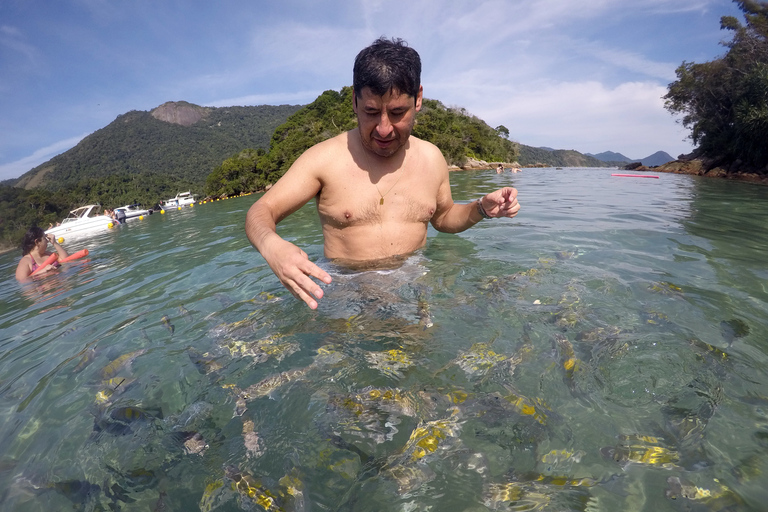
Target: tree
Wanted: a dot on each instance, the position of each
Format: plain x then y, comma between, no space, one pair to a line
458,134
503,131
725,102
235,175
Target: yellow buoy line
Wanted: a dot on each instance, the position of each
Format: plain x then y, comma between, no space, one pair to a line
162,210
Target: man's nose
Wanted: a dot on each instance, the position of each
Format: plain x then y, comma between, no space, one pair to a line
384,126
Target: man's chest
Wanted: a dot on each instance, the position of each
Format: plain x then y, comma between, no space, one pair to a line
359,200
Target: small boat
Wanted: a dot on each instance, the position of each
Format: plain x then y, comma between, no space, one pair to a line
132,211
181,199
85,220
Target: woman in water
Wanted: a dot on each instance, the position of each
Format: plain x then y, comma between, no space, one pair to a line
34,248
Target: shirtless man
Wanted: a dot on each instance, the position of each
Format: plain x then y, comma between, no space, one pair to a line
376,186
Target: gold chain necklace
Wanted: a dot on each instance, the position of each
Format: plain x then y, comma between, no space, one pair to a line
381,201
402,166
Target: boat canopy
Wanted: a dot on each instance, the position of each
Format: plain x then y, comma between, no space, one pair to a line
82,212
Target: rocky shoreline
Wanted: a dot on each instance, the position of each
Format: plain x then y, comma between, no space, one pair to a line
705,168
692,166
481,165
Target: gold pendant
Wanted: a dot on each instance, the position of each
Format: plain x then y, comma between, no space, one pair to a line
381,201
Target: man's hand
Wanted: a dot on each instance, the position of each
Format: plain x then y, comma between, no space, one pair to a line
292,267
501,203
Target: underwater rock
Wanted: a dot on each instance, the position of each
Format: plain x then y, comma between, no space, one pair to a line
733,329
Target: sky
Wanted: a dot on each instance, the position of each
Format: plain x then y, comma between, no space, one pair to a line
587,75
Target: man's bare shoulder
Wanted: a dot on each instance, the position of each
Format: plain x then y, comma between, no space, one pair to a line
315,162
328,152
334,145
431,153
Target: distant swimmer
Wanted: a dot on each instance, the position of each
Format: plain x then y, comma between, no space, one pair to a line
34,248
499,169
377,188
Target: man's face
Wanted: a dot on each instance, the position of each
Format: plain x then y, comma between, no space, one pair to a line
385,122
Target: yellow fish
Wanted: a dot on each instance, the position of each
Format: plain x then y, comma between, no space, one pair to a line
390,362
266,387
639,449
427,438
210,496
528,407
115,385
251,488
167,323
715,497
112,369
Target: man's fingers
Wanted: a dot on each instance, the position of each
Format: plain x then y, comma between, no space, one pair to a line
303,288
507,202
318,273
310,270
301,285
301,294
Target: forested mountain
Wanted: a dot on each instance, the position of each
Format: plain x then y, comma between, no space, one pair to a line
611,156
177,141
658,158
458,134
141,157
545,157
144,157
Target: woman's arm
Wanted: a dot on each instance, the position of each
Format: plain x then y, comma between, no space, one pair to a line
59,249
23,269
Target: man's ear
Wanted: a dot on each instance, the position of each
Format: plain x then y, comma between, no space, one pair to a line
419,97
354,103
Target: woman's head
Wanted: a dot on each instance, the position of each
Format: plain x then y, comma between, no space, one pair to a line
31,238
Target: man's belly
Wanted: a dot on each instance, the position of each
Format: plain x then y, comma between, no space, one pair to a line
373,242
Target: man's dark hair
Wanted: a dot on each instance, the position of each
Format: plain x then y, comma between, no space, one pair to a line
387,65
31,238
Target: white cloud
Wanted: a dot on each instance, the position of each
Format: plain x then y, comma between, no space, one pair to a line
19,167
13,39
551,70
631,61
678,6
588,117
279,98
302,49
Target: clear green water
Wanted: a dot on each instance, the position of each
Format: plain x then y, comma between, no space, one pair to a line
605,350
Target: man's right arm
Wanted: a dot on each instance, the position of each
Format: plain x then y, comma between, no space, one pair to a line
290,264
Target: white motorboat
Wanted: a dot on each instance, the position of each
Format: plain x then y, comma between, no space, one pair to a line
181,199
131,211
85,220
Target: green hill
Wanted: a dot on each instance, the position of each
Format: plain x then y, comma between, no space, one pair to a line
458,134
541,157
144,157
141,157
177,141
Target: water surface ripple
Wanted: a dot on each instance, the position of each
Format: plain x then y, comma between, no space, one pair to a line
605,350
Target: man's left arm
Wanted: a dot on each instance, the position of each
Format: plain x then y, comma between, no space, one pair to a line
455,218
